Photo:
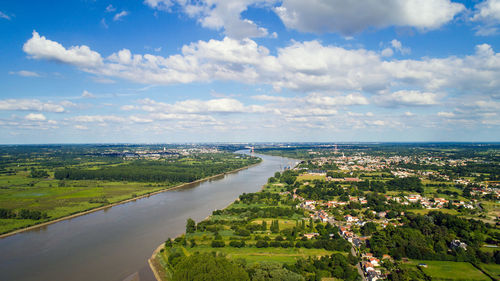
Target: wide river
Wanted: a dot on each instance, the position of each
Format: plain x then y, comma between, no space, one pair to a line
114,244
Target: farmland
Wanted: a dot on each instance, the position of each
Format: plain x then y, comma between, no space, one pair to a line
51,183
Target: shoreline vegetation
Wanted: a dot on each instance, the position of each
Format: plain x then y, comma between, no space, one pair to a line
279,250
43,224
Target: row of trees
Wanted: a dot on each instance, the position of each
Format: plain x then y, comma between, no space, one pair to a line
22,214
156,171
213,267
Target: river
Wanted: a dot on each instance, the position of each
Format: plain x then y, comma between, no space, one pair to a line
114,244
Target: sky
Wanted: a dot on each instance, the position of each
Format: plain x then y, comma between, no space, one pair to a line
170,71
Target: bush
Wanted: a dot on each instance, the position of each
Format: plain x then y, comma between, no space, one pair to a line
237,244
217,244
261,244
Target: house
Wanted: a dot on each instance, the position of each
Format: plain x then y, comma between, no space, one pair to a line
367,255
374,261
457,244
414,198
352,179
368,266
311,235
350,218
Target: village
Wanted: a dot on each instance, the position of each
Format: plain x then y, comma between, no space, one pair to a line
358,168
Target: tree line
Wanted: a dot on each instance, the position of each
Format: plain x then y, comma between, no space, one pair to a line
154,171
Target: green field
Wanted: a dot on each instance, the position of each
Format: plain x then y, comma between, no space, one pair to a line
492,269
55,197
448,270
425,211
75,197
252,254
308,177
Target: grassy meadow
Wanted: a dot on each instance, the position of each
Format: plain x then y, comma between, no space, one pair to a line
449,270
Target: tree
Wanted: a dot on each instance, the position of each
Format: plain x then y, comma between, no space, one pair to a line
368,228
217,244
208,268
190,226
272,271
275,226
168,243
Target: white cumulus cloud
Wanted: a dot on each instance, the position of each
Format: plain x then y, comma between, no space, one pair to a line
408,98
218,15
349,17
38,47
30,105
488,14
35,117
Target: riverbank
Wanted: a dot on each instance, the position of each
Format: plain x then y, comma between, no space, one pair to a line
43,224
154,262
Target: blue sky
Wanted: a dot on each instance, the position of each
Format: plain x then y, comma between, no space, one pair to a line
249,70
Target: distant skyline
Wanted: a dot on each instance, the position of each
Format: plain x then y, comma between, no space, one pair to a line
182,71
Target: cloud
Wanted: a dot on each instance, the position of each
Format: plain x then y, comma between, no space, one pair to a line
81,127
110,8
137,119
104,24
25,73
35,117
128,107
317,16
223,105
387,52
120,15
302,66
30,105
398,46
488,10
408,98
271,98
4,16
38,47
103,80
445,114
87,94
488,14
218,15
98,119
350,17
350,99
163,5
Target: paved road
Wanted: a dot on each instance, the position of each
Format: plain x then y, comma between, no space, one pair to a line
358,265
